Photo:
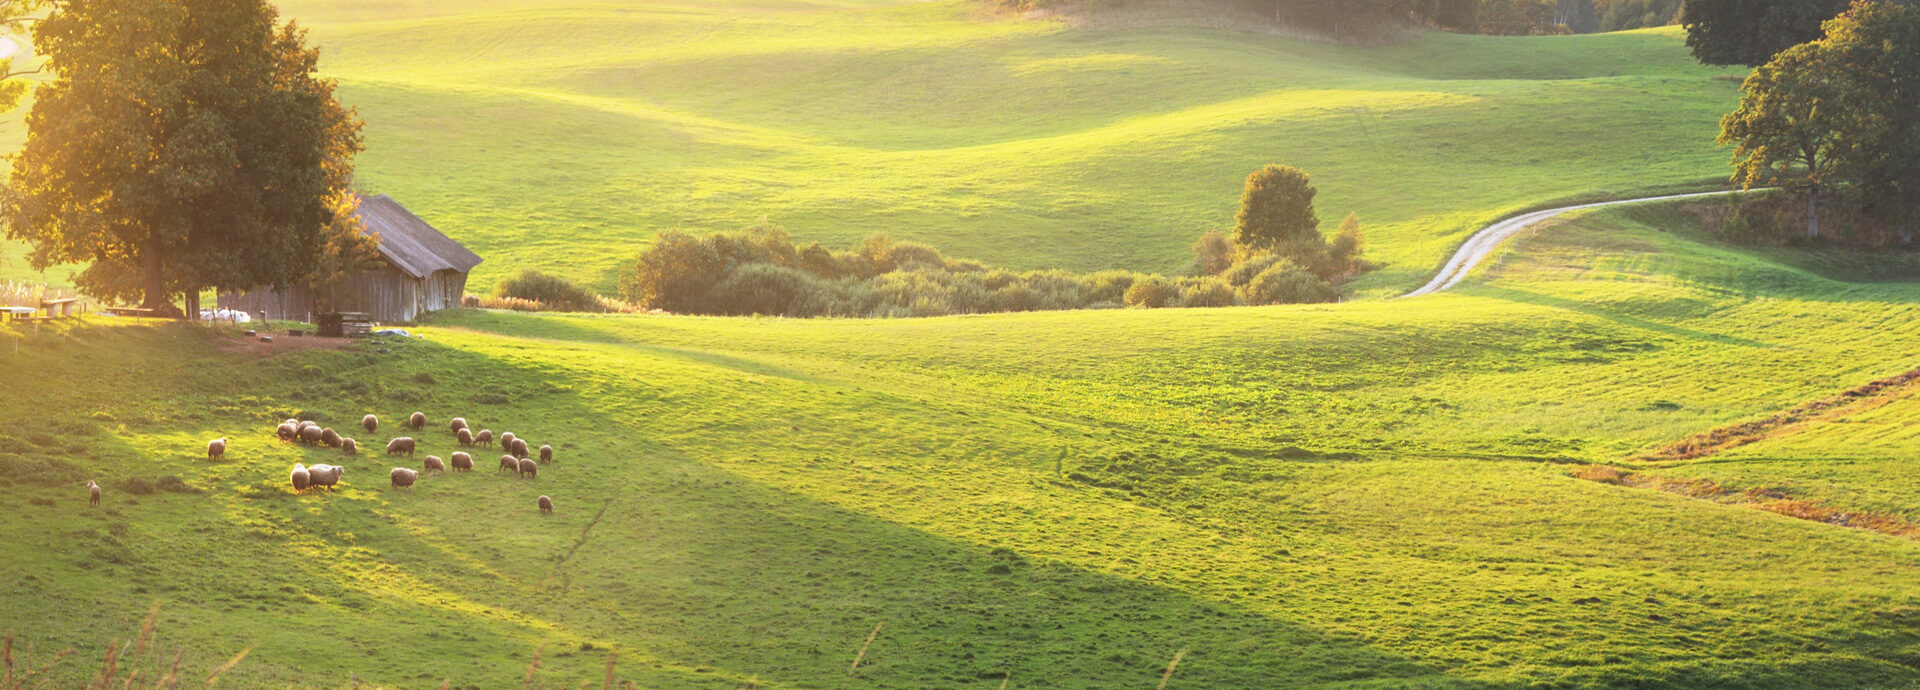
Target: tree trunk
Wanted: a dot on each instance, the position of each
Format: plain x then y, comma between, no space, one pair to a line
193,304
155,280
1813,213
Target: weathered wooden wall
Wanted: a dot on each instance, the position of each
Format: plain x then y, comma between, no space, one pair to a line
389,294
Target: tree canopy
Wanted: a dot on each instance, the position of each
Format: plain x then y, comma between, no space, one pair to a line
1276,211
1842,110
1749,32
182,144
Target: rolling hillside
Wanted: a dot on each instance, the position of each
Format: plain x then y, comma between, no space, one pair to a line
1367,495
562,136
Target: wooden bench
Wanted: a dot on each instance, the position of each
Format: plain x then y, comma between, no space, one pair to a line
64,306
16,313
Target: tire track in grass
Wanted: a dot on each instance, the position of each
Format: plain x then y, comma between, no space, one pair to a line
566,581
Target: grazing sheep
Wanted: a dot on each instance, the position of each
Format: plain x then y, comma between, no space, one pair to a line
295,421
216,448
509,463
433,463
404,444
330,438
418,421
506,441
464,436
348,447
546,454
546,506
370,423
529,469
519,448
462,462
287,431
300,478
325,475
402,477
456,425
93,494
310,434
484,438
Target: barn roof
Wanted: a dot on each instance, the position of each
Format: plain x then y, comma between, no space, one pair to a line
410,243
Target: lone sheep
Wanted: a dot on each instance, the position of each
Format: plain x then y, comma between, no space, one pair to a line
401,445
370,423
330,438
462,462
402,477
456,425
325,475
546,454
418,421
348,447
300,478
546,506
484,438
216,448
433,463
529,469
464,436
509,463
287,431
93,494
519,448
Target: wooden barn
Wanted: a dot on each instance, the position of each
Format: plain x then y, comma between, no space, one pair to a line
423,271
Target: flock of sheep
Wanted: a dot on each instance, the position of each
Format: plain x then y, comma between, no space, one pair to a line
517,459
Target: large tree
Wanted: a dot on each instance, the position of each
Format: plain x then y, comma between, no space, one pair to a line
1749,32
1842,112
1790,127
181,145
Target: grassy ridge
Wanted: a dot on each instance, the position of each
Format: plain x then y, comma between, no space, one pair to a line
563,136
1302,496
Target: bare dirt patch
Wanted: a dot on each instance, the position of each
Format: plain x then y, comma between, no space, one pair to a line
1772,500
1791,421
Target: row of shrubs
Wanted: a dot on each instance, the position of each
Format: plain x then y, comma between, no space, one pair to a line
536,291
761,271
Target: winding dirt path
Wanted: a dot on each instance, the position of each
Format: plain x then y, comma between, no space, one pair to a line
1481,245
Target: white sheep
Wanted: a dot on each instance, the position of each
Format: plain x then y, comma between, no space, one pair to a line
216,448
300,478
402,477
546,505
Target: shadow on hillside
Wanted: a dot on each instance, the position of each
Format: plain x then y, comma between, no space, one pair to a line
1539,299
560,327
693,564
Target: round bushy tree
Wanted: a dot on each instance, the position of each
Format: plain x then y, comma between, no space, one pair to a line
1276,211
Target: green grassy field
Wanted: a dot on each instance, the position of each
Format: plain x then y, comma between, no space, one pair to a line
563,136
1373,494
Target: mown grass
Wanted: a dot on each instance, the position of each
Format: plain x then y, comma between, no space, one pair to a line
562,136
1369,494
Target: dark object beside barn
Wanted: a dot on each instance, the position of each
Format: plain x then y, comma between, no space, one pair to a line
422,271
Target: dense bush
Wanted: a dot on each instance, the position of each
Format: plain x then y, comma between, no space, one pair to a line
760,271
550,292
1153,292
1286,283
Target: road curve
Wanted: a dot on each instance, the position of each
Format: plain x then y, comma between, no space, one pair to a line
1481,244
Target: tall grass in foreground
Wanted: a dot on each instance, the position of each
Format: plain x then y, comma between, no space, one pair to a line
131,658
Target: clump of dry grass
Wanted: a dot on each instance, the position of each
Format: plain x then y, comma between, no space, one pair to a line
26,294
1605,474
131,658
607,305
